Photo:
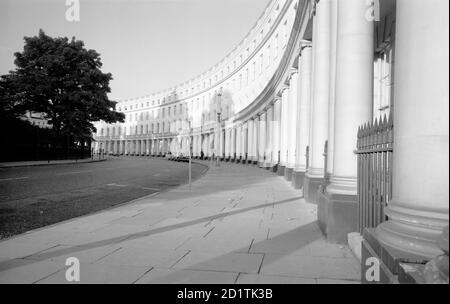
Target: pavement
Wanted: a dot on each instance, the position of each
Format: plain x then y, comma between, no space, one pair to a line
49,163
236,224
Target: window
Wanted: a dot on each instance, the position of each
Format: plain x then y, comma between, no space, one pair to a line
261,59
246,77
277,46
383,82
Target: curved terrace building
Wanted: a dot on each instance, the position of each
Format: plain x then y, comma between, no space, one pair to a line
347,99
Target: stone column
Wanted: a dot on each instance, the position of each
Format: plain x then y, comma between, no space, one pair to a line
331,101
292,127
270,154
262,138
199,145
208,145
303,114
418,211
227,144
238,143
222,144
337,211
233,144
319,107
276,132
244,144
204,145
283,134
257,139
250,141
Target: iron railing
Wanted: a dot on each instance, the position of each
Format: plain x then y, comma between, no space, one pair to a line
374,152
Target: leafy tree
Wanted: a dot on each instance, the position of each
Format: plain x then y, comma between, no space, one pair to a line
62,80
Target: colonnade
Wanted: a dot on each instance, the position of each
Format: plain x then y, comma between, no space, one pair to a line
323,96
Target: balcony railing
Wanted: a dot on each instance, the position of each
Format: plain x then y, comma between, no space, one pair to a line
375,152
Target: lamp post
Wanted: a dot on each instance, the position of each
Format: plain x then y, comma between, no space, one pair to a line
190,153
218,150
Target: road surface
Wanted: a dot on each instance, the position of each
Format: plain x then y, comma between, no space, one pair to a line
32,197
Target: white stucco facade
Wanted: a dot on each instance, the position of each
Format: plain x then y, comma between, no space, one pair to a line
310,72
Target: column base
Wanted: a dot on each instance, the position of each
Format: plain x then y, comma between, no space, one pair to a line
298,179
311,187
280,170
288,174
390,259
337,215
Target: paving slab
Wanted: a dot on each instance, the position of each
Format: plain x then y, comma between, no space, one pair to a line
236,224
310,267
272,279
99,274
186,276
230,262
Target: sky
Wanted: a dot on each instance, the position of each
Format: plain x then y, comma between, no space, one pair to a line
147,45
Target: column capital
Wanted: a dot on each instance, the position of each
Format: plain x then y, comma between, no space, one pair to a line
304,44
282,90
292,72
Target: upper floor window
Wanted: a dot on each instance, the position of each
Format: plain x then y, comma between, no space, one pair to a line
261,62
